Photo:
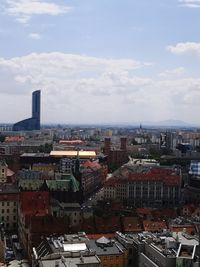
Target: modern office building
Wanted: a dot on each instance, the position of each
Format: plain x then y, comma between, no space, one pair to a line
32,123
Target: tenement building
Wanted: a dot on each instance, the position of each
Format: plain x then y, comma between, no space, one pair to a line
145,186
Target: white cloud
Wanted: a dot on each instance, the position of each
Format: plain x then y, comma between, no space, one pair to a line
34,36
189,48
83,89
190,3
174,72
23,10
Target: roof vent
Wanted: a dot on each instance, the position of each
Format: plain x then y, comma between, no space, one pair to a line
81,258
56,263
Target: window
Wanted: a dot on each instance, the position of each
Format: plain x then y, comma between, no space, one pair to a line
2,203
8,203
7,210
2,210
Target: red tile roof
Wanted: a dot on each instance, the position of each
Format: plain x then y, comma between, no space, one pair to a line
144,211
131,224
10,173
34,203
167,176
14,139
189,229
91,165
71,142
154,226
167,179
163,213
108,224
97,236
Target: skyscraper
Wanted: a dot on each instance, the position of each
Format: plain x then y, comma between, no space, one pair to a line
32,123
36,107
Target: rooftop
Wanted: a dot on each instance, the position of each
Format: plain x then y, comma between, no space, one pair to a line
38,155
81,154
186,251
154,226
135,173
105,246
71,261
131,224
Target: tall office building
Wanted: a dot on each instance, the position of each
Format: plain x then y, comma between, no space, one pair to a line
36,107
32,123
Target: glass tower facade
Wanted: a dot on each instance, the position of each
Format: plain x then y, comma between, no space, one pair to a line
32,123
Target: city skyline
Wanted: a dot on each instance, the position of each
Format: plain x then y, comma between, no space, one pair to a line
100,61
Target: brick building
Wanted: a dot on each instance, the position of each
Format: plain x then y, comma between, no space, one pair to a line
116,156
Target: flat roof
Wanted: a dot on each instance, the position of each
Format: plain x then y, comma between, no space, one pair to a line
73,154
184,240
186,251
35,155
74,246
72,262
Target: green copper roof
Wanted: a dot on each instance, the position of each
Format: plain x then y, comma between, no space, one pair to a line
30,184
66,183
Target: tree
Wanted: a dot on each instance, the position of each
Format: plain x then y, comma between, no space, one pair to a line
46,148
2,138
134,142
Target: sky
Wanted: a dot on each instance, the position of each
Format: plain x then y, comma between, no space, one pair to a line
100,61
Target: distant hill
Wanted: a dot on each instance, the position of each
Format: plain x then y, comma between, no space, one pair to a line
173,123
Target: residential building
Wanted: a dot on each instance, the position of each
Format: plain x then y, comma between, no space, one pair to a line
72,211
145,186
9,199
161,249
92,176
110,251
3,171
64,187
65,250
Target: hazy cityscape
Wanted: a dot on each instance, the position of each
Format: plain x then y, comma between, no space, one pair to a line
99,133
